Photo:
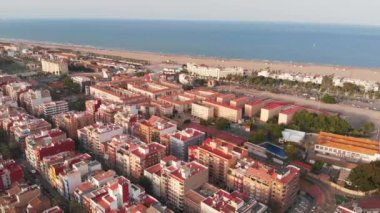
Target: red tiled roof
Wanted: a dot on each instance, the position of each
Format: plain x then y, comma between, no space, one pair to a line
274,105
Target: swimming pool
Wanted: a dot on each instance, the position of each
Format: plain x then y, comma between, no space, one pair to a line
274,150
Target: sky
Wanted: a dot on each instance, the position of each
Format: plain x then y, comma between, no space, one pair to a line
355,12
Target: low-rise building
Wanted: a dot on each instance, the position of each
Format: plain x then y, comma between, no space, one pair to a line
347,148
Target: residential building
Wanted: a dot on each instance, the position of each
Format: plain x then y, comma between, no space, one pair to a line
45,143
180,102
153,89
127,119
193,198
223,201
180,142
271,110
202,94
116,94
54,67
48,109
202,111
18,197
144,157
71,121
218,156
173,179
253,108
14,89
123,152
10,172
225,98
347,148
226,111
150,130
32,99
267,184
240,102
94,136
21,129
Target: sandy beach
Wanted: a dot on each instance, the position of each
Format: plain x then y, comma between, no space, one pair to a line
367,74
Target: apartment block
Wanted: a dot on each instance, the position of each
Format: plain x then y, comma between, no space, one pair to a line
22,128
180,102
267,184
150,130
271,110
237,202
71,121
54,67
144,157
218,155
94,136
48,109
173,179
45,143
253,108
202,111
32,99
226,111
10,172
153,89
180,142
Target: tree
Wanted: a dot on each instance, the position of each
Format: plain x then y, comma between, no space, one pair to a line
76,207
328,99
327,82
291,151
366,177
317,167
222,124
258,136
368,127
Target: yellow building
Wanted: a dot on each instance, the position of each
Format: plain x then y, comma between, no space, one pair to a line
226,111
54,67
201,111
271,110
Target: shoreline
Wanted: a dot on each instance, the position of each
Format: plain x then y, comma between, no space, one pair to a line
366,74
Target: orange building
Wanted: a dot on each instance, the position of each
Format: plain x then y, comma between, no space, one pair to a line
265,183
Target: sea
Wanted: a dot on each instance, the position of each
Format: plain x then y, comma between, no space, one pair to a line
357,46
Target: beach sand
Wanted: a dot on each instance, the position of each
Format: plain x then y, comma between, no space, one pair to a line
367,74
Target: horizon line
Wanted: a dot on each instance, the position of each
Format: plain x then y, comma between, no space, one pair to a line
187,20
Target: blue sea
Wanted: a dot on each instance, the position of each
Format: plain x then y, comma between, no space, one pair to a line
305,43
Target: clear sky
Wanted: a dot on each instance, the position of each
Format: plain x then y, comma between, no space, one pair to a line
364,12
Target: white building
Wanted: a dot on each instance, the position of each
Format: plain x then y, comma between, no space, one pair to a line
213,72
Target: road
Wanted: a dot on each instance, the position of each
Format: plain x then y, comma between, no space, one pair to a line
328,193
356,116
